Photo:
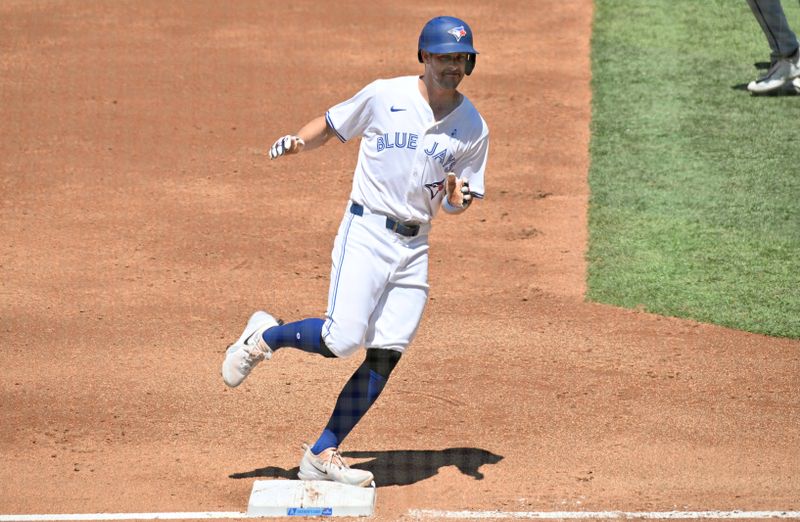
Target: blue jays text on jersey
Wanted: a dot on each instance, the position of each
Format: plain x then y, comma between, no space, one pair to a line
409,140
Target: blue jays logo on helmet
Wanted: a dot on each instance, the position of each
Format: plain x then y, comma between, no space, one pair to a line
445,35
458,32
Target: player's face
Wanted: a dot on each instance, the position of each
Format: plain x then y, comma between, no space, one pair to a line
447,70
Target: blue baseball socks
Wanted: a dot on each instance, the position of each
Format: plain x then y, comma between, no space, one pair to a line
360,392
304,335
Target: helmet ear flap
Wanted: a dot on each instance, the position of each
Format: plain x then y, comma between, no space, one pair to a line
471,58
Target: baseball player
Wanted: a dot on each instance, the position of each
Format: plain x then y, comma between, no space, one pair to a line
424,146
785,51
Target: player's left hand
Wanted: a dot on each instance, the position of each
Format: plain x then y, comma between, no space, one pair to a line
286,145
457,191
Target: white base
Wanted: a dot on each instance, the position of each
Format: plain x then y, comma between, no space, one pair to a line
310,498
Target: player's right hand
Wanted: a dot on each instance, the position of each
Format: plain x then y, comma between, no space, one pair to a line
286,145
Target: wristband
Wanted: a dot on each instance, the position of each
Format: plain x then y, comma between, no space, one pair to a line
450,209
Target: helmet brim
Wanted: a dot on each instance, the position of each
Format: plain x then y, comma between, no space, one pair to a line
450,48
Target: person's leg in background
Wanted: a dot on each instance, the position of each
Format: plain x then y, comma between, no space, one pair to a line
784,48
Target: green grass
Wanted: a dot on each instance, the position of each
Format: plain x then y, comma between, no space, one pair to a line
695,184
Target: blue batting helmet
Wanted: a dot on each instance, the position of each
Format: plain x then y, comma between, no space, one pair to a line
445,35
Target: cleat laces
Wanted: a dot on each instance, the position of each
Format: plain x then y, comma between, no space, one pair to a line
254,356
335,459
330,457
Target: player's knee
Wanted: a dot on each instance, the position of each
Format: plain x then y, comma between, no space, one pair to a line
382,361
324,350
341,345
343,339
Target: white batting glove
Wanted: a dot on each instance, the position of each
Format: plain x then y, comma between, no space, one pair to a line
457,195
286,145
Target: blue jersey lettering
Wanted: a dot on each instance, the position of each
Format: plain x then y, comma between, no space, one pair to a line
402,140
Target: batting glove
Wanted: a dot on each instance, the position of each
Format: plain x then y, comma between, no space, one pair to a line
286,145
457,195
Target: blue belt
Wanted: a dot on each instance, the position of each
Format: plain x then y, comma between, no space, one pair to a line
391,224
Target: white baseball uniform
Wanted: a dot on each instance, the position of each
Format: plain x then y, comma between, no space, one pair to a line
379,276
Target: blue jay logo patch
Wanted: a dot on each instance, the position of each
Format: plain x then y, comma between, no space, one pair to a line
435,188
458,32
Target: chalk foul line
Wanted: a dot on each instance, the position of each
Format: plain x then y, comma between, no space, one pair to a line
126,516
617,515
431,514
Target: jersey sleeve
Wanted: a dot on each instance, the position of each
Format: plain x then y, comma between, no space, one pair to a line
473,164
351,118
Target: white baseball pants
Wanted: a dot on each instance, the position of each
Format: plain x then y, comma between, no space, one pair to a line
378,288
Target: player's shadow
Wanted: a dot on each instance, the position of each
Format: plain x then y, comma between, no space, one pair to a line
400,467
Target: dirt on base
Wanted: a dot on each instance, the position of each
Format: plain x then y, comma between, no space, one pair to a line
142,223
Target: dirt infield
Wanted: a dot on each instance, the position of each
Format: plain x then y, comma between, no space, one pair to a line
142,223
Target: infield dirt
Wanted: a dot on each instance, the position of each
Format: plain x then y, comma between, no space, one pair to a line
142,223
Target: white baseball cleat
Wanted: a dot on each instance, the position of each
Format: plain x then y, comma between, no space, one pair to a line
249,350
781,72
329,465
